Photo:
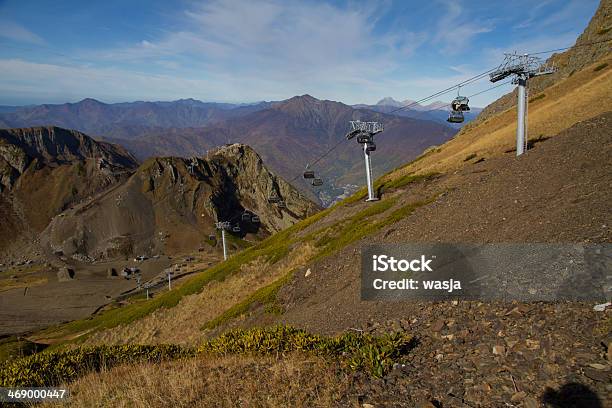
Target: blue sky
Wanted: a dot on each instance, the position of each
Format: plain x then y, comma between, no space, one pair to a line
248,50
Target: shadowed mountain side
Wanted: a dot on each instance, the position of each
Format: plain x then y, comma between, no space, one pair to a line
170,205
45,170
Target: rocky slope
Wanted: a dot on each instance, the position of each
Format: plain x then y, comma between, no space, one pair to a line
45,170
170,205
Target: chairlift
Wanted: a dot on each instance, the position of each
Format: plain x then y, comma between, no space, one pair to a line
274,199
212,237
255,219
246,217
460,103
370,147
236,228
281,204
317,182
309,174
455,117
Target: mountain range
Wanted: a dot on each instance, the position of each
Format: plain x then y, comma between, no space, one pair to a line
288,134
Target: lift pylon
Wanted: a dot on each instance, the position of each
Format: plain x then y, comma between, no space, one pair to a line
223,225
365,131
522,68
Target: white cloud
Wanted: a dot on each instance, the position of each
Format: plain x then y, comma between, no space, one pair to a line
285,42
455,31
16,32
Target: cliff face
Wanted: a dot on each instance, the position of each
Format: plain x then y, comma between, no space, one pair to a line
45,170
568,62
54,147
170,205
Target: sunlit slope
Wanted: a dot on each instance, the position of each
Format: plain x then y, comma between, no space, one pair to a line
584,95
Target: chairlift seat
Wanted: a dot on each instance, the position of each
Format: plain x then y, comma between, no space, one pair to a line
309,174
236,229
370,147
246,217
460,104
274,199
317,182
281,204
455,117
255,219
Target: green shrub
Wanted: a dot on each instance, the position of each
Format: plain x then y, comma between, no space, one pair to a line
359,351
51,368
600,67
469,157
538,97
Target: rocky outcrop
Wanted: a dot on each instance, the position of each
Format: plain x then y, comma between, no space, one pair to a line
171,204
53,146
46,170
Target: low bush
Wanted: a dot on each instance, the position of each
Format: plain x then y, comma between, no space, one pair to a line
51,368
538,97
375,354
469,157
600,67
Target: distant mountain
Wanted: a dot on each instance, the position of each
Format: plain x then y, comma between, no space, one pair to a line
388,101
294,132
288,134
123,120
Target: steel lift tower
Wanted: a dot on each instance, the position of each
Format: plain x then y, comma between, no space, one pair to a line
522,67
223,226
365,131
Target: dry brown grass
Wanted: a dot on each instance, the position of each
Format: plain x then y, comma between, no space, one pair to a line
182,323
290,381
579,97
25,276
